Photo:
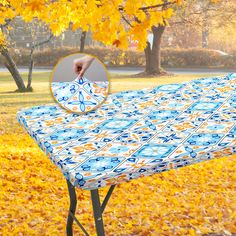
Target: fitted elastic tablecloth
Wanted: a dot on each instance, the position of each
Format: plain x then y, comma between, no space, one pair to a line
80,95
138,133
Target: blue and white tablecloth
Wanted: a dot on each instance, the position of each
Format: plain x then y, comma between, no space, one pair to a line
138,133
80,95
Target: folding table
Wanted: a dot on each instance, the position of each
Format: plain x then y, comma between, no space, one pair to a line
134,134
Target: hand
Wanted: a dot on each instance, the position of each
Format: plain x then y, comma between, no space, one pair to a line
80,65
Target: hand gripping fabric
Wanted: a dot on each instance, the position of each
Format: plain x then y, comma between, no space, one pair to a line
138,133
80,95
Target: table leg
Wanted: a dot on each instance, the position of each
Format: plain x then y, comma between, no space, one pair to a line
98,209
73,203
97,212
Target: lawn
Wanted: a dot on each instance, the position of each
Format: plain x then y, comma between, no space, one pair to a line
194,200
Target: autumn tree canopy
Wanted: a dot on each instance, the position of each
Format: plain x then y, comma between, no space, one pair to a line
207,16
116,22
111,22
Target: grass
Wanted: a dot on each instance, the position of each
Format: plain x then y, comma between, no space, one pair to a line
11,101
194,200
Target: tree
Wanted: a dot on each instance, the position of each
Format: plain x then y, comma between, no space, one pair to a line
153,54
9,62
111,22
116,23
8,15
82,40
124,22
11,66
207,15
34,43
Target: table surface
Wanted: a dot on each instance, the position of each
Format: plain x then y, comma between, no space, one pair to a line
138,133
80,95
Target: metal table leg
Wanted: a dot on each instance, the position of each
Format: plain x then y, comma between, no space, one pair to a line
98,210
73,203
71,214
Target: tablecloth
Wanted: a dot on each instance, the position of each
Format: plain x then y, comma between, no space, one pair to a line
138,133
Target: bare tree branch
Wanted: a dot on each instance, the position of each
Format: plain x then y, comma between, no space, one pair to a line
43,41
152,6
126,20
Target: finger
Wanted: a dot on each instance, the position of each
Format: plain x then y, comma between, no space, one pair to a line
81,73
78,69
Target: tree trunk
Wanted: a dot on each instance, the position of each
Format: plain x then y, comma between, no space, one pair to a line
205,30
147,52
31,60
153,55
82,41
205,34
31,65
11,66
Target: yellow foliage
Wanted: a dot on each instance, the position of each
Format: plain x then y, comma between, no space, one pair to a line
167,13
6,13
110,21
179,2
193,200
2,39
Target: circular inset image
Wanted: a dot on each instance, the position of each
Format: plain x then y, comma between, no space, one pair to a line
80,83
